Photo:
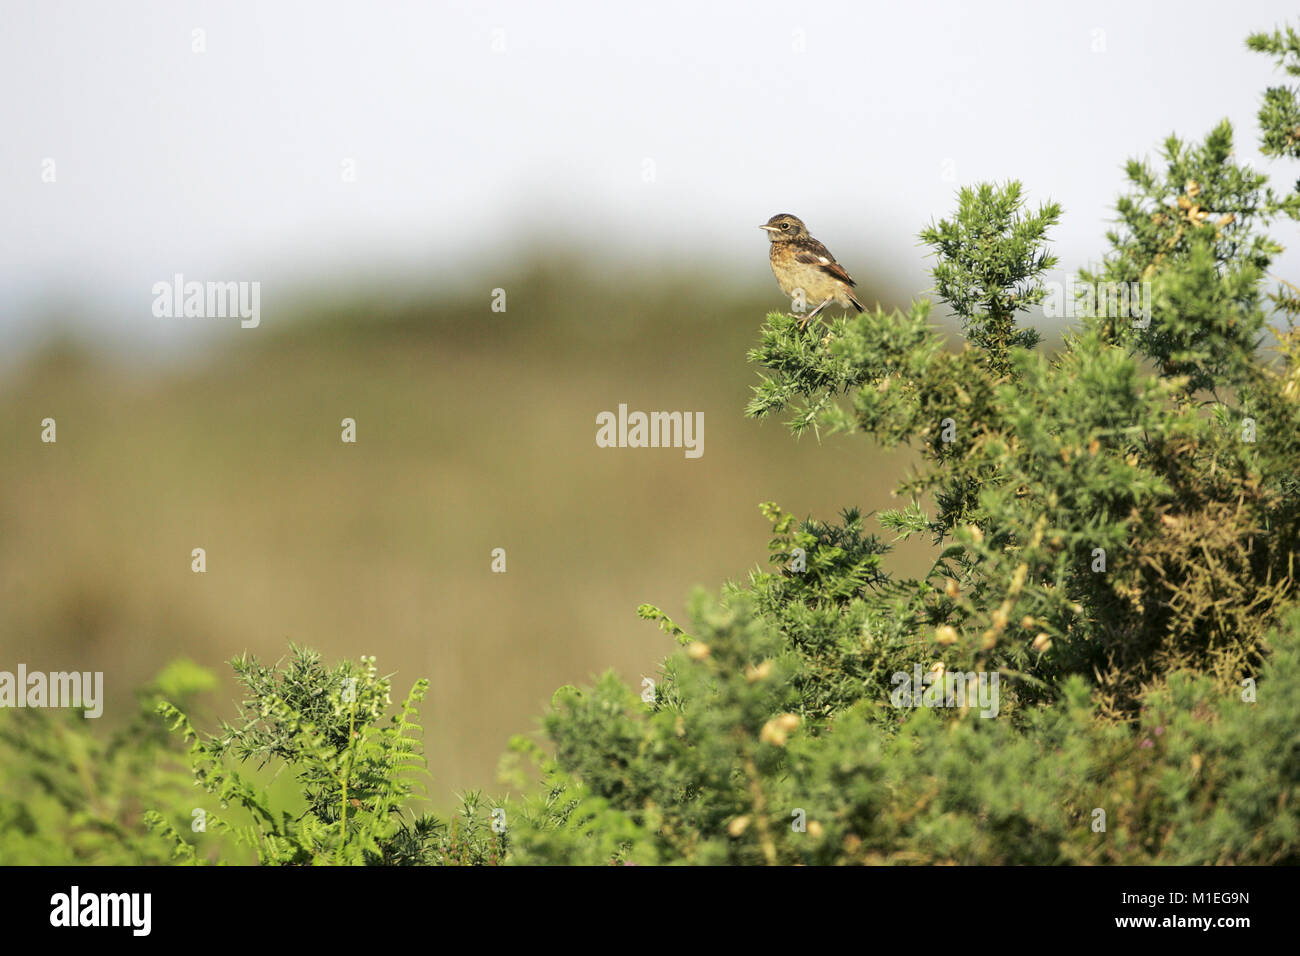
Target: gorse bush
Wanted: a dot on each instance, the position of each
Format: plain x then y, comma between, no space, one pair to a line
1117,534
1197,777
354,769
1101,666
68,797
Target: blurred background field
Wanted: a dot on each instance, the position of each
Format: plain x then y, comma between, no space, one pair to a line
476,430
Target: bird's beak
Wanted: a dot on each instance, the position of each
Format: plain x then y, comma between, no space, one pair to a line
768,228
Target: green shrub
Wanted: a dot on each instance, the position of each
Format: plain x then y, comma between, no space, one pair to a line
354,769
1117,526
70,796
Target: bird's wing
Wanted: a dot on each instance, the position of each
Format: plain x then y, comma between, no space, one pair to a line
814,253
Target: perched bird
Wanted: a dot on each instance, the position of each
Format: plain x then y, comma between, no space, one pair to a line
801,262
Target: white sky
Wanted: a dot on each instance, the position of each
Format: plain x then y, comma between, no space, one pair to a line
226,165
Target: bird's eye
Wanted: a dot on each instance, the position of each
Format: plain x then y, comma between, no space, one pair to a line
785,225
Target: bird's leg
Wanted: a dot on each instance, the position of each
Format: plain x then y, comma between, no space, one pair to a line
813,314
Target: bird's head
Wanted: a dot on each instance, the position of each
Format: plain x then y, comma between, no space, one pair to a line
783,227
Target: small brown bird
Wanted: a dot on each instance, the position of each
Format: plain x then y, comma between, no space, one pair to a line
804,267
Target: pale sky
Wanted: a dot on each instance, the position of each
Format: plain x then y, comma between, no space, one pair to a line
665,131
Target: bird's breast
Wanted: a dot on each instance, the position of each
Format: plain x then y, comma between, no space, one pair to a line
791,274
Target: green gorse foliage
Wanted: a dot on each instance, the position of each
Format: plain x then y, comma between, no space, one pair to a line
355,770
991,257
69,796
1117,534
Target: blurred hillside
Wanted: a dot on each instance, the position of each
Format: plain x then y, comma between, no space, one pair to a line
476,430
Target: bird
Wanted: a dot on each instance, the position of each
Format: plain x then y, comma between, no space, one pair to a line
800,262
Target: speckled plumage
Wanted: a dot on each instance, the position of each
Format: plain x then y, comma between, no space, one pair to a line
801,262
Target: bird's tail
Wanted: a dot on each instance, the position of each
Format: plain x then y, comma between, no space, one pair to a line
856,304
